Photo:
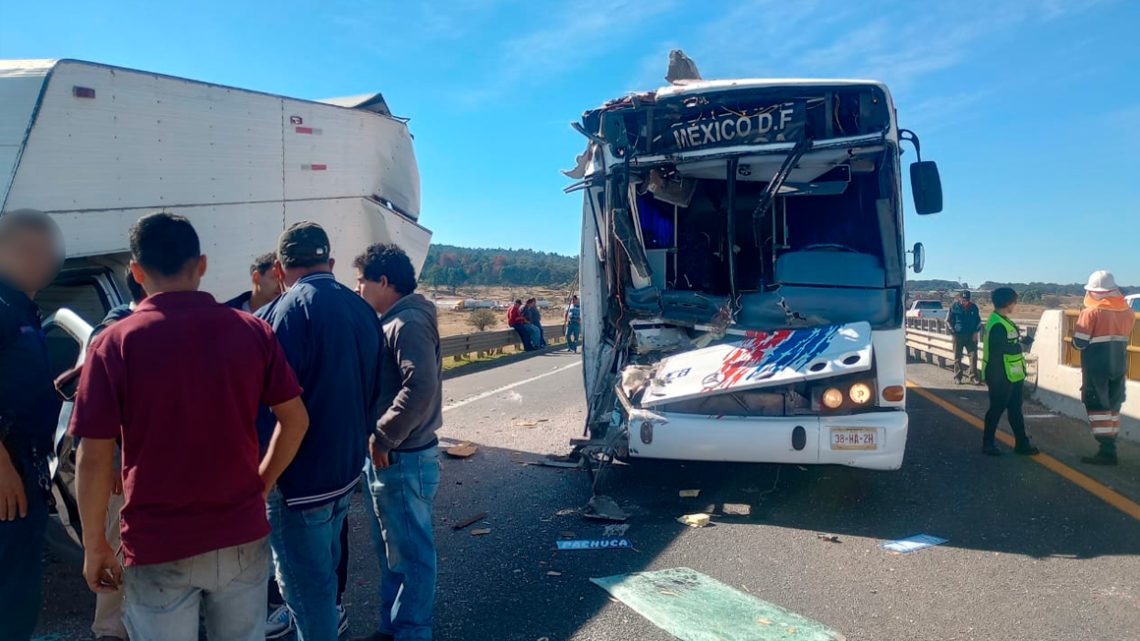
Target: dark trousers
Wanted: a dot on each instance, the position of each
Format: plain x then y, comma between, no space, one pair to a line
275,598
966,343
1005,397
524,335
21,566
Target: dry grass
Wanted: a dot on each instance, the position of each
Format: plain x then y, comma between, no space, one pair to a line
455,322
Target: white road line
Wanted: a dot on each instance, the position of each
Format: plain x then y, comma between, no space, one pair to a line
500,390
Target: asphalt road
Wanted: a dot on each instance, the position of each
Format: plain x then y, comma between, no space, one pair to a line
1030,555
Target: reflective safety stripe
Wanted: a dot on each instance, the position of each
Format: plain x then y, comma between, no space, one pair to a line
1106,339
1100,417
1106,431
1082,336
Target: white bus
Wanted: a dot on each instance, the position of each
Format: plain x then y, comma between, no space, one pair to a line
742,272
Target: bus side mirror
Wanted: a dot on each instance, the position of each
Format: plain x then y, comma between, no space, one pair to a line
926,186
918,258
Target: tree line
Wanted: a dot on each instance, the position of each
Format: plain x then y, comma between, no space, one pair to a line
1028,292
451,266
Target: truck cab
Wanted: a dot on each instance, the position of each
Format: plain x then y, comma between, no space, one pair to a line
72,306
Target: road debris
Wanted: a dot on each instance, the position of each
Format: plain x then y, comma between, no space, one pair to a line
763,622
913,543
464,450
526,423
568,534
566,512
694,520
561,464
604,508
615,530
469,521
689,494
596,544
553,573
830,538
478,532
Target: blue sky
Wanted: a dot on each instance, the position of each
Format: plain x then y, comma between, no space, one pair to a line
1030,107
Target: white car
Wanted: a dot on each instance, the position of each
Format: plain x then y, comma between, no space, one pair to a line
1134,302
927,309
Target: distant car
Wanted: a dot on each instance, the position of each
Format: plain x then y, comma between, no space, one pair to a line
1134,302
927,309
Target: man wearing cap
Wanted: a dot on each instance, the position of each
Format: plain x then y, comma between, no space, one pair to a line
1102,334
964,321
331,337
31,254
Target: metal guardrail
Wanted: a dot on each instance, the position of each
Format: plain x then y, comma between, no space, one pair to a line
929,340
1073,355
462,344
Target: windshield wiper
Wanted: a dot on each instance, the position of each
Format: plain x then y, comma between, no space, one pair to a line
769,195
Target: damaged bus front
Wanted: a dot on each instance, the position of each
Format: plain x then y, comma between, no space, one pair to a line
742,271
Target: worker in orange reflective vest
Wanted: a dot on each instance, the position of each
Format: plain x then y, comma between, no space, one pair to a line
1102,334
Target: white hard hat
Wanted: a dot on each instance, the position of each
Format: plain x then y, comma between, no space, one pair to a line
1101,281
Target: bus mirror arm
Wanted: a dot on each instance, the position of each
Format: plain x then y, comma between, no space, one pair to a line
925,182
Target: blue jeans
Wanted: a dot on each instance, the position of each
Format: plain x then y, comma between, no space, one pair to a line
573,335
306,552
21,566
402,496
226,587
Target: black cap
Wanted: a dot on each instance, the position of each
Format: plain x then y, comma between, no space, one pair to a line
303,245
965,294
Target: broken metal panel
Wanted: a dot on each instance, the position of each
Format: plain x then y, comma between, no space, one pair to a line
765,359
626,234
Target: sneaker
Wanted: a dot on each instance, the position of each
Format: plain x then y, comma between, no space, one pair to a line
279,623
989,449
342,620
1100,459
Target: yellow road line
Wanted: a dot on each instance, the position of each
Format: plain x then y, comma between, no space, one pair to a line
1094,487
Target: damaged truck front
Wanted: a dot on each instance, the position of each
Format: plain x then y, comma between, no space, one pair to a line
742,272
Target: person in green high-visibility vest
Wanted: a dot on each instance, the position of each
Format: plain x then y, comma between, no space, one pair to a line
1003,369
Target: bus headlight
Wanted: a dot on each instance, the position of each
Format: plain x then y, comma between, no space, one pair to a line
832,398
860,393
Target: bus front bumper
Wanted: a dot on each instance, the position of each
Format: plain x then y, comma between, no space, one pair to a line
873,440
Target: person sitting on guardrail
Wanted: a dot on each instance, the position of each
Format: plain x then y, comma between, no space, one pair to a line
964,321
534,316
1003,369
518,322
1102,333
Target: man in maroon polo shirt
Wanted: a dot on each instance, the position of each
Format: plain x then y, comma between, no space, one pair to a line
181,381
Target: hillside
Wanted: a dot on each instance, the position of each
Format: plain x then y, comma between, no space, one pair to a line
1027,290
450,266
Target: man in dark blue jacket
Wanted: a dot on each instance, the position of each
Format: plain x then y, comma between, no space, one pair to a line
331,338
965,320
31,254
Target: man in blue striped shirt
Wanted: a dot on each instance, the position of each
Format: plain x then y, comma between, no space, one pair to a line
331,338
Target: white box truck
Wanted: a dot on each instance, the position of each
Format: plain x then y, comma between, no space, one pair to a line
98,147
742,272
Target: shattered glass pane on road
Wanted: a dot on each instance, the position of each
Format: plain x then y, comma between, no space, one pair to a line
695,607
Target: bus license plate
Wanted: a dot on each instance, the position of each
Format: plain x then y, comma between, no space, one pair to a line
854,438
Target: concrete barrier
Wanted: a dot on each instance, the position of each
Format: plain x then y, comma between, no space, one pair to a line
1059,386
